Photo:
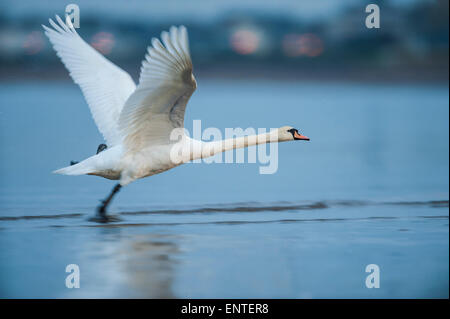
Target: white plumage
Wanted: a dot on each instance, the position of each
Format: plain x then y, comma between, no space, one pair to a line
135,121
105,86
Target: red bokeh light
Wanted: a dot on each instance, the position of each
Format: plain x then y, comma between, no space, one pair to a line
34,42
103,42
244,41
307,44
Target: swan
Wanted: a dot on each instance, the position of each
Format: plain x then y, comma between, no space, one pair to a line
137,121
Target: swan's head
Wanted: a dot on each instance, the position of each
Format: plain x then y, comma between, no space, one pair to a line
288,133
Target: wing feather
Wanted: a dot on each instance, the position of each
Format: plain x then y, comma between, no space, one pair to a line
165,85
105,86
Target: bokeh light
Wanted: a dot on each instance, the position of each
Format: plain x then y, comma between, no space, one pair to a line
307,44
103,42
245,41
33,43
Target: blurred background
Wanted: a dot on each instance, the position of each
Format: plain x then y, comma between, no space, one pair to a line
272,39
371,186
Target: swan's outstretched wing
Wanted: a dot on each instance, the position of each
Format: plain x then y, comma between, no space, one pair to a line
165,85
105,86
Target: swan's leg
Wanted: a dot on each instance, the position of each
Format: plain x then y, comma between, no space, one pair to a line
101,148
101,210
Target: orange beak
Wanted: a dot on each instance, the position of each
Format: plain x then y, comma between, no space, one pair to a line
300,137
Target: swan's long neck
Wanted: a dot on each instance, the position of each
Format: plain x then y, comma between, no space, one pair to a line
212,148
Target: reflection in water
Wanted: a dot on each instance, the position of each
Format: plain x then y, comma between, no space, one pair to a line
120,265
148,265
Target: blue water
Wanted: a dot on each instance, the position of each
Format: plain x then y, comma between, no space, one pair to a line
371,187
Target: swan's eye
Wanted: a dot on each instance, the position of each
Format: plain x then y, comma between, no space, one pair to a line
292,131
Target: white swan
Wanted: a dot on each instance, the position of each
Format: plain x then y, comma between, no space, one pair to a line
137,122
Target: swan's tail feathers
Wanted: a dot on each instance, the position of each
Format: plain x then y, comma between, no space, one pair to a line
77,169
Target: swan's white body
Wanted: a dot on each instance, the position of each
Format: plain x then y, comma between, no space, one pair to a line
136,121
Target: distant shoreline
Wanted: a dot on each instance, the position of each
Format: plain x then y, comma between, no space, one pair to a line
422,74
